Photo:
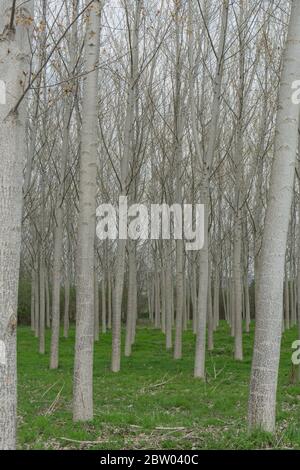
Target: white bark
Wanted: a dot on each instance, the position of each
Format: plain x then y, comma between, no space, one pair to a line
47,300
96,305
58,241
36,302
42,308
263,386
67,306
210,319
32,299
169,294
84,345
207,160
103,304
125,162
178,125
14,70
109,301
131,302
238,170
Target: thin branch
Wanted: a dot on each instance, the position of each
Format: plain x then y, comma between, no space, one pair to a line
12,16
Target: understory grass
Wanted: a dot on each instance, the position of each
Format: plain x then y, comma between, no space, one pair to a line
154,402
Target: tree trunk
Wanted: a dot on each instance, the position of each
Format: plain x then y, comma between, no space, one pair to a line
109,302
84,343
118,296
42,305
32,299
266,354
36,301
67,306
210,319
103,305
131,302
287,303
199,368
47,294
58,240
216,301
169,293
14,66
96,305
57,256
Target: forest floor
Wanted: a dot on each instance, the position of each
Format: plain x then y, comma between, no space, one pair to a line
154,402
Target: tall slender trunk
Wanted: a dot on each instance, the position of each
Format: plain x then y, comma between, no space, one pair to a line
258,211
36,300
84,343
67,306
131,303
238,203
118,297
96,305
194,296
178,126
103,304
163,299
157,299
57,256
210,318
33,274
58,230
126,160
266,353
67,277
42,308
184,311
14,66
298,269
292,297
237,274
47,299
246,283
287,302
109,301
199,367
206,161
179,300
247,305
169,293
216,299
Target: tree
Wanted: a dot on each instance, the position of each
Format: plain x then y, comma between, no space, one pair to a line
84,345
58,230
14,72
125,178
268,328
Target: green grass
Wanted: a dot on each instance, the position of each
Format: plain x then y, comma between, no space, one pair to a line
154,402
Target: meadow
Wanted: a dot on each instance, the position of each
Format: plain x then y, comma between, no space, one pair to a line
154,402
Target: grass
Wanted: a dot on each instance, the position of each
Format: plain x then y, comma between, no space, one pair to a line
154,402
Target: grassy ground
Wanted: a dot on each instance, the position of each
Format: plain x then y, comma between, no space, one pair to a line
154,402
